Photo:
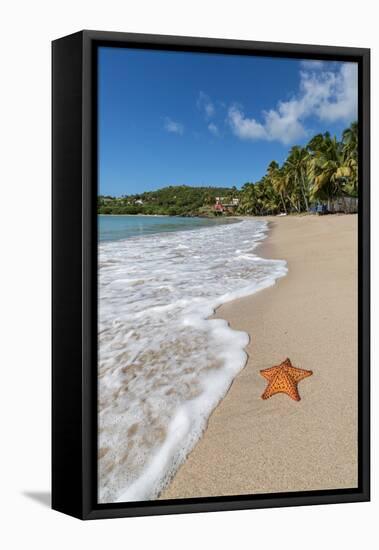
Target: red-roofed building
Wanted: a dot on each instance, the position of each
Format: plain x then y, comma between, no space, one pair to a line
221,207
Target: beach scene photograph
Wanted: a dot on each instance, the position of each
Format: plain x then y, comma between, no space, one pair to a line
227,275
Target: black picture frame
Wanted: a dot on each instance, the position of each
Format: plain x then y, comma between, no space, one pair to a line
74,295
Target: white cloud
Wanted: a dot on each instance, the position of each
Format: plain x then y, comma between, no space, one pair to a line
213,129
281,125
342,104
245,128
205,105
173,127
327,95
312,64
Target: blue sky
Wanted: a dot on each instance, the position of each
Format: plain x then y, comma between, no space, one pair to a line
173,118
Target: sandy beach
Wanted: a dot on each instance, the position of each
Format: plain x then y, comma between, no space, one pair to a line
254,446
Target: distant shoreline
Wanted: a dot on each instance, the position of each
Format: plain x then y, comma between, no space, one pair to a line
145,215
164,216
233,216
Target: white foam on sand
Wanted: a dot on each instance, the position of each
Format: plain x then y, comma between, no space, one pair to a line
163,364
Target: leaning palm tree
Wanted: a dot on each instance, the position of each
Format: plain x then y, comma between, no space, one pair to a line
350,141
248,200
323,170
275,187
296,167
327,168
280,185
350,152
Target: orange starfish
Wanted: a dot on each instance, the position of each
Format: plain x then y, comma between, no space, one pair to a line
284,379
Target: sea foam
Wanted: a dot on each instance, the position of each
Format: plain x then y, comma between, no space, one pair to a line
164,365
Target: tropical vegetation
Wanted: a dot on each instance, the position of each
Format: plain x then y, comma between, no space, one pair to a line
175,200
323,170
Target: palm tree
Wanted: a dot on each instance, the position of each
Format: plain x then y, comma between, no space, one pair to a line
296,167
269,199
350,141
278,181
247,203
350,152
280,186
327,167
323,170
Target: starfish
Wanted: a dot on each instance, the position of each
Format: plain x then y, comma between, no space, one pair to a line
284,379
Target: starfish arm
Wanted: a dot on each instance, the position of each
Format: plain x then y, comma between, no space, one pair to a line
268,375
270,388
299,374
289,386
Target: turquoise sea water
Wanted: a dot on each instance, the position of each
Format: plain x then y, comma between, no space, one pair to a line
114,228
164,363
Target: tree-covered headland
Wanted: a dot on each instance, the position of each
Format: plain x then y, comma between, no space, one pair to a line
175,200
324,170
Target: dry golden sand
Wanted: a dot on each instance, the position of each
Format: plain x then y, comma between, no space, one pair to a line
255,446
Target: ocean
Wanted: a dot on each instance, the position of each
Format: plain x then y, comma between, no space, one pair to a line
113,228
164,365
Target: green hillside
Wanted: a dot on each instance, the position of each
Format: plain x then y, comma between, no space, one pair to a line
178,200
323,171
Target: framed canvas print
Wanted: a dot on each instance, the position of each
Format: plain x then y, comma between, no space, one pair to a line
210,274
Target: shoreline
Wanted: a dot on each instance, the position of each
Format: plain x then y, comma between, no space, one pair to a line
175,395
171,216
253,446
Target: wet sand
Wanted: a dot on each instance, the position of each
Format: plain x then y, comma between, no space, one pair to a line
254,446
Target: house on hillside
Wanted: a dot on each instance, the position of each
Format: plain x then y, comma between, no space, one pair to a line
221,205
